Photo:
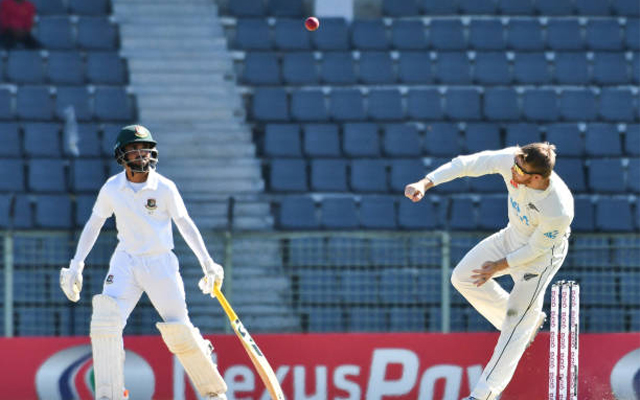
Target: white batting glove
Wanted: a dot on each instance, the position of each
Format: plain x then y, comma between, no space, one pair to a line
212,273
71,280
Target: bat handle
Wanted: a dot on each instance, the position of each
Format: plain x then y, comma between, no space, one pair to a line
224,303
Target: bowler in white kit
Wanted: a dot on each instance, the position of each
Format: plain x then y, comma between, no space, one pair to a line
531,249
144,204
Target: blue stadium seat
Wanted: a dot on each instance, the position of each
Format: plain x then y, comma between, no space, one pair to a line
10,139
632,34
602,140
401,140
5,209
288,175
407,319
338,68
289,35
399,286
447,34
109,134
478,6
7,112
606,175
376,68
65,68
299,68
632,139
486,34
442,139
50,7
564,34
629,294
462,104
400,8
378,212
23,215
76,97
584,219
47,175
492,68
334,35
55,32
347,105
34,103
84,207
321,140
610,69
53,211
270,105
618,104
97,33
317,286
462,214
524,34
516,7
25,67
501,104
492,183
593,7
112,103
358,286
453,68
521,134
439,7
347,252
408,34
385,105
339,213
261,68
89,141
421,215
531,68
368,176
578,105
405,171
253,34
540,105
571,171
247,8
425,104
308,105
635,66
282,140
93,7
11,175
597,288
365,319
42,139
361,140
633,175
306,252
604,35
415,67
614,214
571,68
285,8
626,8
369,35
298,212
329,175
87,175
554,7
567,139
106,68
325,319
626,253
482,136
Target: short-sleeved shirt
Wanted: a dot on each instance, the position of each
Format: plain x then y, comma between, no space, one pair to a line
143,218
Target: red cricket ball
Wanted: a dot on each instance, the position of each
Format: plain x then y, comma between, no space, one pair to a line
312,23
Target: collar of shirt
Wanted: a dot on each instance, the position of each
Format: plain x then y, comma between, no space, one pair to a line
150,184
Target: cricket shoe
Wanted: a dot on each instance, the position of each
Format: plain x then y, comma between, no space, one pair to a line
541,320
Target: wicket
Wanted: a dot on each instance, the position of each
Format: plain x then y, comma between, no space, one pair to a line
564,355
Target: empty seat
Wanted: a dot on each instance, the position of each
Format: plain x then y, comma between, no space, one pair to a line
626,8
439,7
482,136
399,286
571,68
606,175
602,140
540,105
106,68
253,34
94,7
578,105
610,69
492,183
633,175
447,35
288,175
531,68
347,105
308,105
405,171
366,319
55,32
385,105
462,214
453,68
113,104
50,7
571,171
47,175
564,34
400,8
421,215
477,6
282,140
317,286
23,214
34,103
76,97
567,138
407,319
89,142
632,139
618,105
97,33
285,8
442,139
401,141
299,68
369,35
87,175
554,7
521,134
289,35
525,34
584,219
425,104
25,67
516,7
339,213
376,68
415,67
627,254
492,212
604,35
378,212
247,8
361,140
492,69
347,252
501,104
462,104
326,319
10,139
329,175
368,176
486,34
408,34
42,140
298,212
261,68
321,140
632,34
6,109
334,35
614,214
338,68
66,68
5,208
592,7
11,175
270,104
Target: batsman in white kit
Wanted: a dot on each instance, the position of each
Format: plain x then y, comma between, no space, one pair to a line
144,203
531,249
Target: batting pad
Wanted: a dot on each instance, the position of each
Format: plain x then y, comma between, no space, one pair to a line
194,352
108,349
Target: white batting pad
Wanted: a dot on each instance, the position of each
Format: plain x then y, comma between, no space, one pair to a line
108,349
194,352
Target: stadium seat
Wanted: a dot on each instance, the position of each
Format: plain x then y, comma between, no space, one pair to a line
439,7
554,7
442,139
65,68
55,32
567,138
593,7
34,103
347,252
462,104
113,104
298,212
632,34
76,97
453,68
408,34
447,35
7,111
606,175
47,175
84,207
109,134
492,183
339,213
629,295
53,211
290,37
42,139
571,68
632,140
564,34
376,68
270,105
401,140
338,68
368,176
477,6
89,142
325,319
5,210
415,68
482,136
23,214
385,105
25,67
407,319
597,288
361,140
424,104
626,253
261,68
604,35
334,35
531,68
578,105
367,319
516,7
486,34
540,105
282,140
94,7
405,171
421,215
285,8
610,69
633,175
369,35
97,33
321,140
253,34
524,34
247,8
308,105
50,7
635,66
400,8
584,219
571,170
501,104
617,105
626,8
603,140
11,175
10,139
329,175
347,105
521,134
462,214
399,286
492,68
299,68
288,175
307,252
87,175
378,213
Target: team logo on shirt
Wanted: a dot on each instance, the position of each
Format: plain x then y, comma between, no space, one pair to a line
109,279
551,234
531,206
151,204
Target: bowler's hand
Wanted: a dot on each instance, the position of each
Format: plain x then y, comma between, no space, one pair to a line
488,269
415,191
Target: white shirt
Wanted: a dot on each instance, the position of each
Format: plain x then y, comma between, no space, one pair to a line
143,218
542,218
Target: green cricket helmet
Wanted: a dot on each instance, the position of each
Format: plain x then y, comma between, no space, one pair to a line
135,134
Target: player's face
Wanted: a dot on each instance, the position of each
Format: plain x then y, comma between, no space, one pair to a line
137,154
521,172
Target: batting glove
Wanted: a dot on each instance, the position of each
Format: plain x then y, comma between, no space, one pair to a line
212,273
71,280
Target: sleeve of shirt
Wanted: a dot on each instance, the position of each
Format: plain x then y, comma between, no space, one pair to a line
192,237
177,208
88,237
103,207
478,164
548,234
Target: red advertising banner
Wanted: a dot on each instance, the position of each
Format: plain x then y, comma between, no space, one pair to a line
322,366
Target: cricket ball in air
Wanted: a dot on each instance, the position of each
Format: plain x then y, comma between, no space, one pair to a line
312,23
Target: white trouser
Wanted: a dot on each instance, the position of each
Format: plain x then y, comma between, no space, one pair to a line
515,314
